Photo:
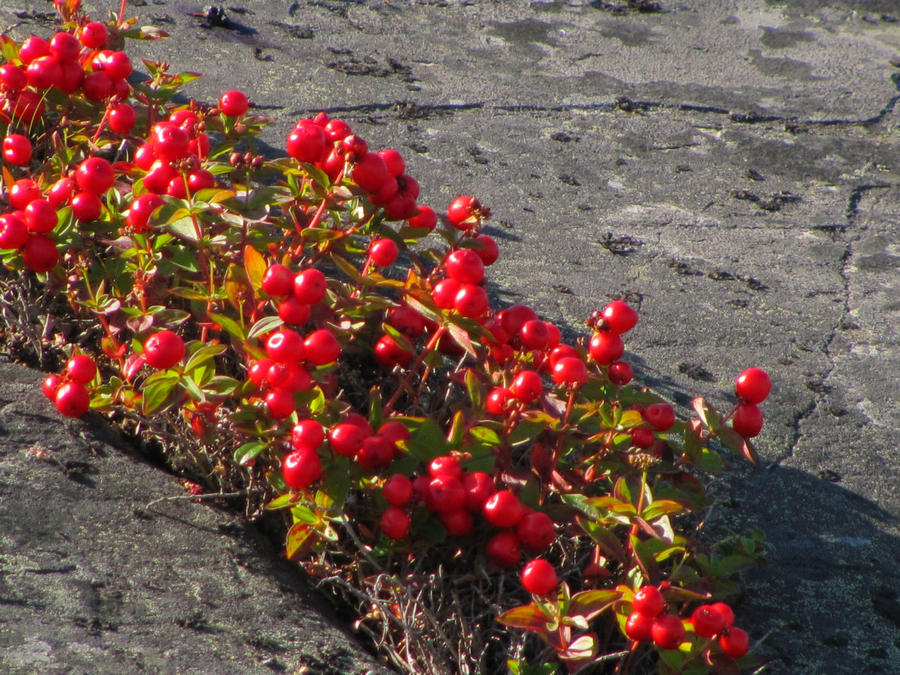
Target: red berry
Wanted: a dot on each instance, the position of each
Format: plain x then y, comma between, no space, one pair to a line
444,293
370,172
734,642
121,118
471,300
606,347
667,631
322,347
12,77
306,143
479,487
13,231
33,48
375,454
446,494
753,385
561,352
117,65
159,177
527,386
97,86
648,601
539,577
498,400
503,509
233,103
503,549
383,252
81,368
39,253
398,490
71,77
487,250
294,312
307,435
747,420
170,142
28,106
426,218
49,386
288,376
619,316
164,349
337,130
200,179
72,399
346,439
64,46
259,370
457,523
60,192
620,373
43,73
95,175
23,192
707,622
570,371
534,334
17,149
141,209
310,286
145,156
725,611
395,523
93,35
301,469
86,207
40,216
642,437
536,531
395,432
280,403
660,416
463,212
445,465
285,346
465,266
639,627
278,281
393,161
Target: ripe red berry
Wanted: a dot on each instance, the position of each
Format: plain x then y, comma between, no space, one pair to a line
259,370
734,642
660,416
95,175
285,346
337,130
370,172
383,252
667,631
17,149
23,192
164,349
527,386
71,77
479,487
12,77
570,371
40,216
648,601
310,286
288,376
49,386
606,347
233,103
117,65
346,439
426,218
639,627
307,435
397,490
487,250
64,46
446,494
301,469
322,347
97,86
444,293
72,399
395,432
619,316
81,368
503,550
121,118
503,509
43,73
620,373
753,385
642,437
539,577
142,209
471,300
725,611
93,35
39,253
395,523
463,212
280,403
33,48
465,266
707,622
536,531
170,142
445,465
86,207
294,312
375,454
307,142
497,401
457,523
747,420
200,179
278,281
13,231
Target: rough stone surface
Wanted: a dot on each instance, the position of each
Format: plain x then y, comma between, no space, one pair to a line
728,166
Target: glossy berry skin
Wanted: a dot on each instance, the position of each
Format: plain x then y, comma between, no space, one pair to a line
648,601
294,312
72,399
322,347
12,77
498,400
383,252
346,439
667,631
527,386
619,317
620,373
503,550
285,346
539,577
753,385
310,286
141,209
503,509
40,216
536,531
462,212
375,454
458,523
306,143
93,35
278,281
121,118
487,249
33,48
446,494
81,368
170,142
39,253
642,437
426,218
570,371
117,65
725,611
707,622
280,403
479,487
445,465
734,642
471,300
660,416
465,266
534,334
13,231
397,490
86,206
233,103
49,386
95,175
307,435
23,192
301,468
747,420
164,349
395,432
606,347
17,149
639,627
395,523
370,172
64,46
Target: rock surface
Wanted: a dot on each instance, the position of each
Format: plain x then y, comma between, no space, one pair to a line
729,167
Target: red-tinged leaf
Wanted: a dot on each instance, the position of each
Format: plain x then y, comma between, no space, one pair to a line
284,501
429,311
300,539
604,538
461,337
255,266
737,443
590,604
8,178
528,617
581,649
662,507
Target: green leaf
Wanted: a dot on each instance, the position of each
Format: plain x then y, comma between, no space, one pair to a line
304,514
157,389
230,325
427,442
525,432
265,325
221,385
486,435
346,267
249,451
202,355
590,604
283,501
337,483
662,507
192,388
461,336
604,538
457,429
475,389
528,617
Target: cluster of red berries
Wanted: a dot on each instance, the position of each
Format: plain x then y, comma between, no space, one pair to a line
752,387
68,391
649,621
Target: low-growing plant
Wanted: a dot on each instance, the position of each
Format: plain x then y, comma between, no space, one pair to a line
488,496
